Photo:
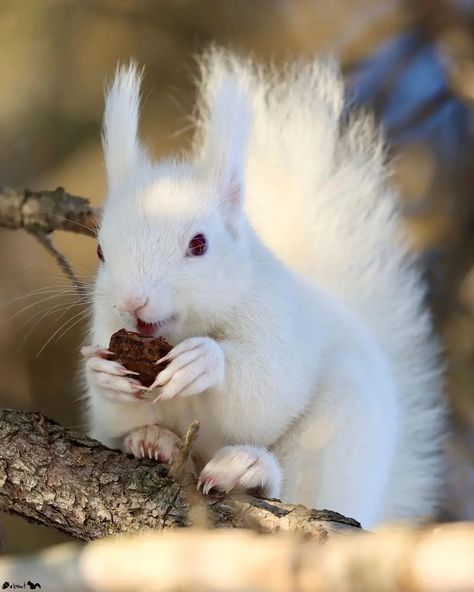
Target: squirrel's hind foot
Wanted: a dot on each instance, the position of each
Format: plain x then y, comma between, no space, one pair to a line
242,468
153,442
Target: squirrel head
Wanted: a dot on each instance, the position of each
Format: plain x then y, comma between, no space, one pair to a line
174,239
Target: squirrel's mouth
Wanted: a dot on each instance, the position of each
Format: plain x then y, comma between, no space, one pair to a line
151,329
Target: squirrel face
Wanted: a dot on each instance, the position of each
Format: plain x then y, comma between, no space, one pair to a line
170,249
174,239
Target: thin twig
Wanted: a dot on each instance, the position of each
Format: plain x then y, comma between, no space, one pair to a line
47,243
198,511
181,459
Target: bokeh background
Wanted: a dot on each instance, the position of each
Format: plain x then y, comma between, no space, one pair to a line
412,62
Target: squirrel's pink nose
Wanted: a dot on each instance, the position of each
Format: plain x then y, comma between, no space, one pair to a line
132,302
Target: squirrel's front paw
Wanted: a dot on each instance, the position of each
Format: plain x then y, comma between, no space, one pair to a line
196,364
242,468
110,377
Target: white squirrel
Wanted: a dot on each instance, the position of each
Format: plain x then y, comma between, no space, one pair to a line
273,259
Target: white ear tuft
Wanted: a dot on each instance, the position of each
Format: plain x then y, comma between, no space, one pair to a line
225,123
120,126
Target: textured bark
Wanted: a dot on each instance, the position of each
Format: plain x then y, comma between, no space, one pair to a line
408,560
45,211
63,479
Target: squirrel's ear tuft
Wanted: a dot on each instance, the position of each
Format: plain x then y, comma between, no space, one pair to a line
122,150
226,119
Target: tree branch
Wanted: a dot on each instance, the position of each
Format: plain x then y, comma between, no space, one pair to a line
42,212
431,560
62,479
46,211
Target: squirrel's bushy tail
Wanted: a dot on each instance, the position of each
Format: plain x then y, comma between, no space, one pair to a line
317,194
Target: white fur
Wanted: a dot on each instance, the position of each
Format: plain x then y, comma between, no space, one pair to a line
124,157
307,311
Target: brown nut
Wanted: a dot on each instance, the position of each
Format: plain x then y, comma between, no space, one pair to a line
138,353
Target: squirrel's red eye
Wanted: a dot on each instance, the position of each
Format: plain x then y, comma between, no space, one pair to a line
197,246
100,254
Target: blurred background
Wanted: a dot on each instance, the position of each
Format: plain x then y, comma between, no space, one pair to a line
412,62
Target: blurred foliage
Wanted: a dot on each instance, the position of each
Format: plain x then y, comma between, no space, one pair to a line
412,62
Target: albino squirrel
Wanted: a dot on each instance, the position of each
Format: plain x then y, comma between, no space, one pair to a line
273,259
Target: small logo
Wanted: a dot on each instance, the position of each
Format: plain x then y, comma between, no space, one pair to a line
29,584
